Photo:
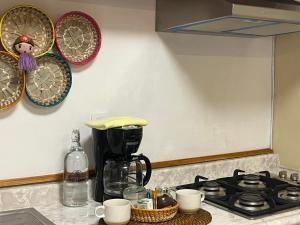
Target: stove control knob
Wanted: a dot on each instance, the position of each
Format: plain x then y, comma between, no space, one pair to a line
294,177
283,174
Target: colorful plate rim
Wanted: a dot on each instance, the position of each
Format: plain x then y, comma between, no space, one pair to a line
23,88
68,86
35,8
97,28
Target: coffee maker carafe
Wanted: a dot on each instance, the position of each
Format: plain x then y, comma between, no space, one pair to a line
116,166
119,175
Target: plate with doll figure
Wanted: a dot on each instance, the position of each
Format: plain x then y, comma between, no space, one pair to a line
29,22
50,83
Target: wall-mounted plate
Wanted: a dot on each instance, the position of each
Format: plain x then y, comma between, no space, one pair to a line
50,83
77,37
12,81
29,21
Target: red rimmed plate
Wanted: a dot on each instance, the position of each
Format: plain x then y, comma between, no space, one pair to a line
77,37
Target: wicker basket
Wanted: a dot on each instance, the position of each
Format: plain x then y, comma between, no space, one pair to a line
154,215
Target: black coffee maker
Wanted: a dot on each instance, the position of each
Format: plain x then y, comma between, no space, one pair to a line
116,146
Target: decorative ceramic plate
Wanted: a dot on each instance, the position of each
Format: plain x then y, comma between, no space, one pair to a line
50,83
12,81
29,21
77,37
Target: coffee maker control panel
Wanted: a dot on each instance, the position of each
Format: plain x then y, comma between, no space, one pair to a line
124,141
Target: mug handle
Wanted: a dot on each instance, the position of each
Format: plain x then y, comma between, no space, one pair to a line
102,207
202,196
172,192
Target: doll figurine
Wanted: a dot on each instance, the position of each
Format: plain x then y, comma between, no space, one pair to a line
24,46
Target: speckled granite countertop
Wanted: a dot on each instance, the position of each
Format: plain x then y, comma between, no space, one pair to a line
46,197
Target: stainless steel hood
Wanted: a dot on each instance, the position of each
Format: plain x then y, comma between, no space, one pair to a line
229,17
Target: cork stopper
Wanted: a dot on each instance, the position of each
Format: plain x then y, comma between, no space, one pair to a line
75,135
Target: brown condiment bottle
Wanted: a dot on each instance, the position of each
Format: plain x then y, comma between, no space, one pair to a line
164,199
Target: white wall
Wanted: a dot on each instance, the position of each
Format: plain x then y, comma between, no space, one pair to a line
287,96
203,95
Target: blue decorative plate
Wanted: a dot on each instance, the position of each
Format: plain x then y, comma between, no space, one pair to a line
50,83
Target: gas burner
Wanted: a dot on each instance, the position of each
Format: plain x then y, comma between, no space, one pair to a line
251,202
290,193
213,189
252,181
251,178
211,186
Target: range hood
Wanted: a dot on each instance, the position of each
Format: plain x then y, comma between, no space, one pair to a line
229,17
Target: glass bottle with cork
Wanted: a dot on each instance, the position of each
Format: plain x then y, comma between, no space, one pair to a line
75,184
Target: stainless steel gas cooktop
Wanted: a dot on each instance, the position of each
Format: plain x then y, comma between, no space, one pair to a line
249,195
28,216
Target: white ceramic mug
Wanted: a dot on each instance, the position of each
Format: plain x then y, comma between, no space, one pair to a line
189,200
114,211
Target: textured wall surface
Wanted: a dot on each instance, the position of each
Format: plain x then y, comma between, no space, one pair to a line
202,95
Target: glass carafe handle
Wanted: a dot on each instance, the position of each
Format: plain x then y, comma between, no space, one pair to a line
146,179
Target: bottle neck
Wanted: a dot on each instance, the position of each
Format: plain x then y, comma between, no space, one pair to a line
75,146
75,143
